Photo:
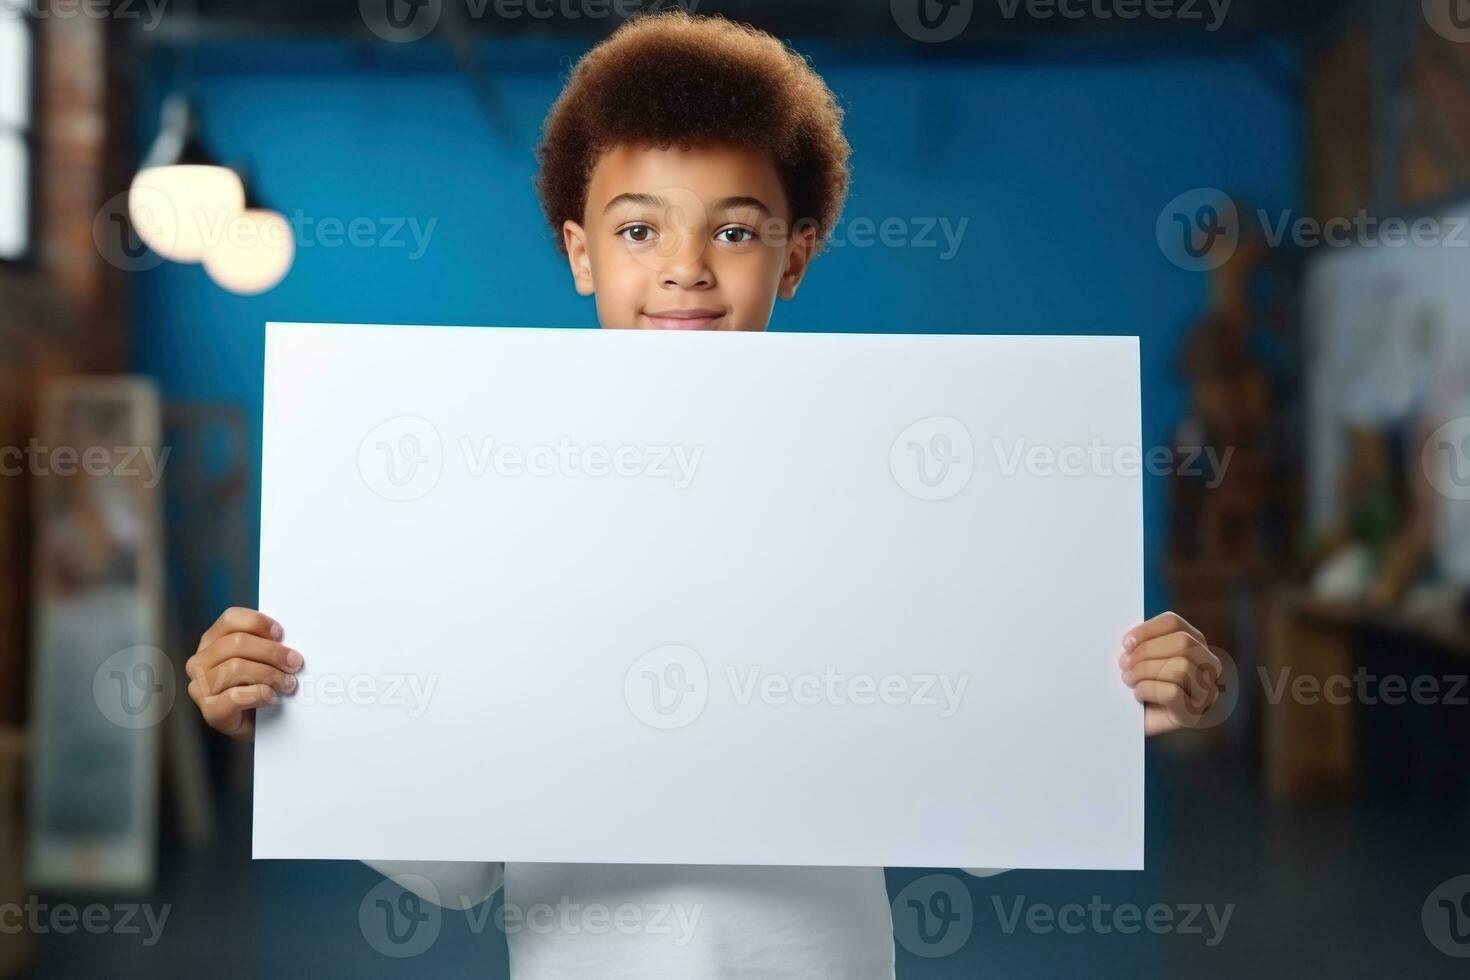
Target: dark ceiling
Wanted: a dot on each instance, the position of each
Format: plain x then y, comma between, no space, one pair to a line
991,22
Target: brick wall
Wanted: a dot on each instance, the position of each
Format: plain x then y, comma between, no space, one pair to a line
64,313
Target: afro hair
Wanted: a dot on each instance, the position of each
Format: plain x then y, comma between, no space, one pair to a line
667,78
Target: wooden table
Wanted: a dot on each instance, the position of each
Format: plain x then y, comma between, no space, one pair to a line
1309,744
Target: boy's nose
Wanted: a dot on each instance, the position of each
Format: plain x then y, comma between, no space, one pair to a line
687,271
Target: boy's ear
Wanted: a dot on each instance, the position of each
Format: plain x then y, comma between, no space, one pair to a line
575,240
799,252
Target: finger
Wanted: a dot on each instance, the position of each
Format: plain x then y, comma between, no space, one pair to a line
244,646
1200,683
1183,708
237,672
225,712
1163,693
1167,647
1157,721
1175,670
238,619
244,729
1160,625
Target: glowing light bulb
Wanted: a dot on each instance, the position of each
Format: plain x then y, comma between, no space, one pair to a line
180,209
253,254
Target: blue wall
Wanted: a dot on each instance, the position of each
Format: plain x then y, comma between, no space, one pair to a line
1060,166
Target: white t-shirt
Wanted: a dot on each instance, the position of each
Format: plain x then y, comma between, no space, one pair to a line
648,922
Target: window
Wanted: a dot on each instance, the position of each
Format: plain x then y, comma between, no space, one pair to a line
17,138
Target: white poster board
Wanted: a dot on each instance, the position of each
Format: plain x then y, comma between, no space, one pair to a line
701,598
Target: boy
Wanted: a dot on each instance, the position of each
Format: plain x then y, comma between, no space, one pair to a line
691,170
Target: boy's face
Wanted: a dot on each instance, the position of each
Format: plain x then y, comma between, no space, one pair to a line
694,238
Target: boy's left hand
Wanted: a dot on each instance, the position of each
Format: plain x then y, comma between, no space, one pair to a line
1172,672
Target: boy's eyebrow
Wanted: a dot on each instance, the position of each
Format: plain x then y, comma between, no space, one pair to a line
654,201
647,200
731,203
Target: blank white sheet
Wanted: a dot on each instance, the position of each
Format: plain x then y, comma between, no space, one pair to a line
789,599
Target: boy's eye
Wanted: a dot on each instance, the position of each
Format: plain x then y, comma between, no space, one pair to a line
640,234
734,235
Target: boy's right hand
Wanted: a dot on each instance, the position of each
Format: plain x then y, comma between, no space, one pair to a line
240,664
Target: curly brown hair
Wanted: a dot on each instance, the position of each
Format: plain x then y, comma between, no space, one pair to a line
667,78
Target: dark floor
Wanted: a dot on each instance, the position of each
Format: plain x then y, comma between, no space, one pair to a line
1315,892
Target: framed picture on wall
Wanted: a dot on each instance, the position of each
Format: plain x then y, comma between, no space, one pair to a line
100,682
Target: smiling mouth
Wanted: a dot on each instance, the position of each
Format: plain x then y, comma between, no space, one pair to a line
681,319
